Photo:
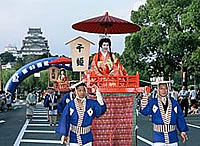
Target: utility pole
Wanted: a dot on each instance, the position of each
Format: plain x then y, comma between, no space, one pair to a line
48,72
184,76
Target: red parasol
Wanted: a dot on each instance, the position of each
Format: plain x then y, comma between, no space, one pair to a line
61,60
106,25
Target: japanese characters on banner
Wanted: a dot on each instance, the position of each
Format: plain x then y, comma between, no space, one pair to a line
80,51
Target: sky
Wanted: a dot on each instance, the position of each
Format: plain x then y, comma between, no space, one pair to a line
56,17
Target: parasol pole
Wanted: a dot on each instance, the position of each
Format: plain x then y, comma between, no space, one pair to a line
80,75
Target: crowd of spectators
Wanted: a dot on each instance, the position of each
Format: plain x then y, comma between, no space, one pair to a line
5,101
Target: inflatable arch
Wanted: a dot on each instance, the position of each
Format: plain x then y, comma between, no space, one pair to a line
30,69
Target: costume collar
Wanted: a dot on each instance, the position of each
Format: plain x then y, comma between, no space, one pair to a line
104,53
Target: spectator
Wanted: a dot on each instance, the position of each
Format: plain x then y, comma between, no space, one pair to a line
9,100
183,95
193,96
3,101
198,96
30,103
174,93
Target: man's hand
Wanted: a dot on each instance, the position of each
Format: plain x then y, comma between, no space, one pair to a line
64,140
99,96
184,136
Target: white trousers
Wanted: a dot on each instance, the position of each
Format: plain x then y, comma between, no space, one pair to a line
52,112
163,144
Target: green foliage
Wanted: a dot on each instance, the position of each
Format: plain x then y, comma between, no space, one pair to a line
7,57
6,74
168,40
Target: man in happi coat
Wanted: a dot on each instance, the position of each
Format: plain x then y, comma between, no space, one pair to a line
166,116
77,117
66,98
51,104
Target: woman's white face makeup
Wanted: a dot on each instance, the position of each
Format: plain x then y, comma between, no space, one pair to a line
105,47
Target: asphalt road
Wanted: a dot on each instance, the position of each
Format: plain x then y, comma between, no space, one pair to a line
145,131
11,123
15,129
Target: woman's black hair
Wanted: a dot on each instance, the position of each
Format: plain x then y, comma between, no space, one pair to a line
105,40
62,69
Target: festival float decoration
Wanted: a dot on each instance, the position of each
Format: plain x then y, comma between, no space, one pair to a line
118,125
60,79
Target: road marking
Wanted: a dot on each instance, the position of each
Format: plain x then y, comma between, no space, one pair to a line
194,126
144,140
40,120
2,121
40,124
41,141
39,113
17,141
40,116
39,131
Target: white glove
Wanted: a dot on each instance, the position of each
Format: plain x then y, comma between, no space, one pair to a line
99,97
62,139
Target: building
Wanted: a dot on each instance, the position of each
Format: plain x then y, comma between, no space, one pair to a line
12,49
8,65
34,43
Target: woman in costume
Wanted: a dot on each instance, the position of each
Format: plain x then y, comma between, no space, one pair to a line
105,62
62,79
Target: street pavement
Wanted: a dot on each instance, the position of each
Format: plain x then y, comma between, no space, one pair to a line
16,130
11,123
145,134
38,132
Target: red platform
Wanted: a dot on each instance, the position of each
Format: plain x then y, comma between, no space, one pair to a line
63,87
116,84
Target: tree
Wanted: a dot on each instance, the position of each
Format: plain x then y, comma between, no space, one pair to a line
7,57
164,44
191,22
6,74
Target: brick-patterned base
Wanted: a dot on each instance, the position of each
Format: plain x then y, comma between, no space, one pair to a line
116,125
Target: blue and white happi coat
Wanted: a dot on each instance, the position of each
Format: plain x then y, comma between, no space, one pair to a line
51,101
164,124
65,100
76,122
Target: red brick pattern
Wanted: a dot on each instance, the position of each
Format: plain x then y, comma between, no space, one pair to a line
115,126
